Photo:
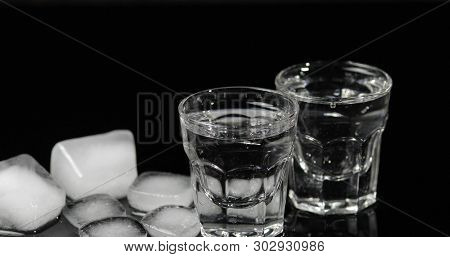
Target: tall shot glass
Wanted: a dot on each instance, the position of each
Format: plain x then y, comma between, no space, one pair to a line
343,112
239,141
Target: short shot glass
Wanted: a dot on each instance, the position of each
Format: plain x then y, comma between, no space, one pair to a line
239,141
343,112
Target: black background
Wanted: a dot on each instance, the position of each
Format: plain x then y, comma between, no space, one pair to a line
53,88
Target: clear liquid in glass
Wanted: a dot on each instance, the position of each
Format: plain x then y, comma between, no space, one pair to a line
240,181
337,148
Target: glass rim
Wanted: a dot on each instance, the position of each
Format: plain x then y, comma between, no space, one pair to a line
326,100
292,116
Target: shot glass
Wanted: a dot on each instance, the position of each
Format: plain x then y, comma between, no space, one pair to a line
239,141
343,112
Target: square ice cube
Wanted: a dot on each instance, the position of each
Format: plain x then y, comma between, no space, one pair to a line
98,164
29,198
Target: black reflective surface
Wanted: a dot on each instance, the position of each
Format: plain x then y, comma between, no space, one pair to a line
364,224
297,224
54,88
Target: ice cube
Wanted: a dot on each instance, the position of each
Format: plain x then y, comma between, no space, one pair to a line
98,164
256,213
243,188
206,206
261,211
213,186
29,198
92,208
113,227
172,220
155,189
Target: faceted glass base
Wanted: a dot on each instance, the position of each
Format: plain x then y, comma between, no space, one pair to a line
332,207
242,230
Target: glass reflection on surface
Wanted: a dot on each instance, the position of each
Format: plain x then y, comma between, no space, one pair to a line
298,223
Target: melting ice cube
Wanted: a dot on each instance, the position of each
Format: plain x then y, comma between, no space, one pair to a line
98,164
29,198
155,189
92,208
113,227
172,220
